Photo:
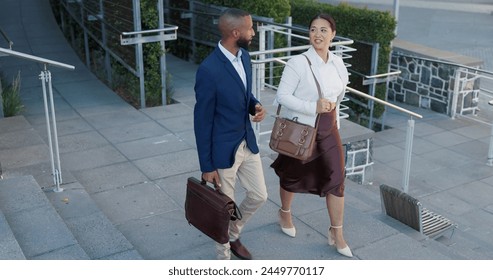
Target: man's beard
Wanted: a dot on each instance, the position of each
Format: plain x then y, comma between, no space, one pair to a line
243,43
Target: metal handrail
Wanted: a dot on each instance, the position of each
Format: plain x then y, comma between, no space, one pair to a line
298,48
172,28
37,59
362,94
383,75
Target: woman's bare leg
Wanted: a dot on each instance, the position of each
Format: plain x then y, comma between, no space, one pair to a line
285,214
335,207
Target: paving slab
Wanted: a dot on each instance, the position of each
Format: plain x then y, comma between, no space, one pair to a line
116,118
134,202
169,111
175,186
152,146
109,177
89,159
409,249
170,164
138,131
13,124
166,236
81,142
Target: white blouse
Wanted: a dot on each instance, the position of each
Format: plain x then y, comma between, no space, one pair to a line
331,84
297,92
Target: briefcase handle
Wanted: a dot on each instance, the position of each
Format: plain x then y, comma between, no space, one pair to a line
216,186
236,215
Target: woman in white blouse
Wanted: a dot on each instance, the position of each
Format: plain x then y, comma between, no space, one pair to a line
323,174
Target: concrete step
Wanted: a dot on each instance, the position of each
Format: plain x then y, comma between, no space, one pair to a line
9,247
93,231
37,227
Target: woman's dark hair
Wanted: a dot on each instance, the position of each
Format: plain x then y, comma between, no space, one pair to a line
327,17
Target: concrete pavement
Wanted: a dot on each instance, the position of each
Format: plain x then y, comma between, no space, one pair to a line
130,167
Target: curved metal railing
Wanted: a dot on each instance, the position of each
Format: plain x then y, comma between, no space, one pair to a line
49,107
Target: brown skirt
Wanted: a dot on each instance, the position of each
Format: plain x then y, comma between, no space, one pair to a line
324,172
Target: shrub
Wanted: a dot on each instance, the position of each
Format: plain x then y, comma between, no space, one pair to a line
12,104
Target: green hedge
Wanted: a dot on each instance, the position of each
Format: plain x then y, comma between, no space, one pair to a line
279,10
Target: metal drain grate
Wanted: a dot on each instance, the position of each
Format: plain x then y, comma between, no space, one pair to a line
434,225
409,211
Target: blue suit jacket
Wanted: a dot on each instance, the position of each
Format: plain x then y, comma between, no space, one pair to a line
222,111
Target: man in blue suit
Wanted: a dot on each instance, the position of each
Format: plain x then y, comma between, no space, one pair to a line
226,143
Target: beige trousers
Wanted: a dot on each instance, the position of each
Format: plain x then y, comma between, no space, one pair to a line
248,169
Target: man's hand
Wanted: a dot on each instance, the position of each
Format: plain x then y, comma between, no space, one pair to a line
259,113
212,177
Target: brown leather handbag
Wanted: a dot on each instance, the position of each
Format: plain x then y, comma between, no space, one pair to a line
210,210
292,138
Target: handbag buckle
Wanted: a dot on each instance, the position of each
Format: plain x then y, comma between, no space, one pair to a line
282,126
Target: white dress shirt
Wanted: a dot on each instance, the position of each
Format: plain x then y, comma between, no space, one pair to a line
236,61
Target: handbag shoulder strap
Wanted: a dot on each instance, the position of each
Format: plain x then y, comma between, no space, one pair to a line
315,78
316,82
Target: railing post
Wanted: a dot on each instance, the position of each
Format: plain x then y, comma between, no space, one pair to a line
490,149
139,53
406,169
83,18
162,59
396,15
372,87
45,77
262,47
107,56
1,101
256,86
455,93
289,22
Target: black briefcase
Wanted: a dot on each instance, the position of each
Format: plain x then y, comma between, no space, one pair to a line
209,210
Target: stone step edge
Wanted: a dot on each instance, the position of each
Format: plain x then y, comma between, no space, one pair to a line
9,247
34,222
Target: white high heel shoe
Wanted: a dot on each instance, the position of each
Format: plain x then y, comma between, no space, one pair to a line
331,240
288,231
